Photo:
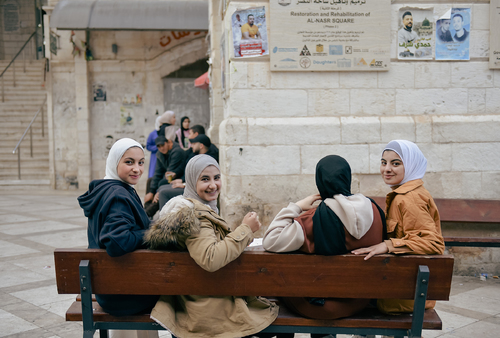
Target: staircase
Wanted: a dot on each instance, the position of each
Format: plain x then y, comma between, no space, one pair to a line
21,104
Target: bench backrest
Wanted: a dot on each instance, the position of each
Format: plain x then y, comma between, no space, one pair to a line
254,273
463,210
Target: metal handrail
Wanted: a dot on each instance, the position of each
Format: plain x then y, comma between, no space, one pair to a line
31,138
12,61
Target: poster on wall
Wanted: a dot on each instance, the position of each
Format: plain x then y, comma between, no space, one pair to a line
99,92
494,34
415,34
249,32
452,35
330,35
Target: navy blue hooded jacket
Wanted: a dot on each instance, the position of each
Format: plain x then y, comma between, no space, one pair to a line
116,219
116,222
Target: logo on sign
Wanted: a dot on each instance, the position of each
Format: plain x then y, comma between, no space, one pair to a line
348,49
335,50
319,48
305,62
305,51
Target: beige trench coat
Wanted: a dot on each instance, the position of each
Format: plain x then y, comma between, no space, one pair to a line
201,316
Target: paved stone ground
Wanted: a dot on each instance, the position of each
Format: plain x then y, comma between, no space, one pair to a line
33,224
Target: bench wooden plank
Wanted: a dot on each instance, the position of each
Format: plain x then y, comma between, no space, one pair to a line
369,318
280,275
462,210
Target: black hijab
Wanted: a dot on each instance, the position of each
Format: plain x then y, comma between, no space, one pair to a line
181,141
333,177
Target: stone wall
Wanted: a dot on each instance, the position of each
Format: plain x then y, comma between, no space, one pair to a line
277,125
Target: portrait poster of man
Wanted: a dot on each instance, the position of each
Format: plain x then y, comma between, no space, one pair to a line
415,34
249,32
452,35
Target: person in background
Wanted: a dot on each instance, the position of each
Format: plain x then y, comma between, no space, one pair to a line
201,144
167,123
170,164
413,223
183,134
117,222
151,146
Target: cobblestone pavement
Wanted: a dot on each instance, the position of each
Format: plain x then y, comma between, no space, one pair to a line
33,224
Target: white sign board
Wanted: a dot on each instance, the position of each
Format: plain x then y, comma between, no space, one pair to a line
494,34
330,35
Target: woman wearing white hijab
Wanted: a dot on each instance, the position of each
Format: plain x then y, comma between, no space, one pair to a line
117,221
167,124
191,222
413,224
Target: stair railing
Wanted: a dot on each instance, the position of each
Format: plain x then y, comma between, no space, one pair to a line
22,50
18,148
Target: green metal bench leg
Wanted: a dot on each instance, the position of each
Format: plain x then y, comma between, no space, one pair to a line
86,292
420,298
103,333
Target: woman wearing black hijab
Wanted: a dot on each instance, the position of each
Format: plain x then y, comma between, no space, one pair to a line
340,223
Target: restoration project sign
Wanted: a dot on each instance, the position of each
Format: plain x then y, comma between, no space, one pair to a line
330,35
495,34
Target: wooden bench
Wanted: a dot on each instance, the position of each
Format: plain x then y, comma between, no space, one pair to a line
466,211
145,272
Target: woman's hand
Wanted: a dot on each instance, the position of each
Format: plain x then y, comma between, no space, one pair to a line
376,249
252,220
307,203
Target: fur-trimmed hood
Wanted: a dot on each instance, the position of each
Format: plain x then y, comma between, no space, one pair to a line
176,223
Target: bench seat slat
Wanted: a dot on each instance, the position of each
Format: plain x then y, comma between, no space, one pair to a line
254,273
369,318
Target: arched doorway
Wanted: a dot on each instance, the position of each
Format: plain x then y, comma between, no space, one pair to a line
181,96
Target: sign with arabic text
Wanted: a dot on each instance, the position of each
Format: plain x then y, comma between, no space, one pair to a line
330,35
495,34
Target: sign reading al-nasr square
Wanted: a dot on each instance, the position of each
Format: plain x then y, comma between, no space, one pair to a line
330,35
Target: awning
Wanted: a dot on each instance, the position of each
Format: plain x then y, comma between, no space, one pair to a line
130,15
202,82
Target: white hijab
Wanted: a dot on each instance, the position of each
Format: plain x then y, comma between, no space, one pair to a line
166,117
193,171
157,123
414,161
115,154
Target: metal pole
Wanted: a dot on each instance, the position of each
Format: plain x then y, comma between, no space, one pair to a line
19,162
14,70
31,142
43,125
24,60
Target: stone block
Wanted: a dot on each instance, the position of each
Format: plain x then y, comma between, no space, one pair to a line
472,186
358,79
300,130
279,189
328,102
423,128
472,128
401,75
262,161
267,103
437,155
237,75
233,131
434,184
471,74
493,100
258,75
375,154
373,186
312,80
434,75
480,17
369,102
449,101
490,189
360,129
356,155
477,101
397,128
231,189
476,156
479,44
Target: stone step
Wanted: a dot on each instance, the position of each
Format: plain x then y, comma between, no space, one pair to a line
27,184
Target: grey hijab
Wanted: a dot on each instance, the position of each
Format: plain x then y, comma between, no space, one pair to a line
194,169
